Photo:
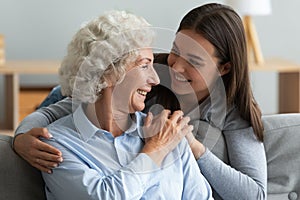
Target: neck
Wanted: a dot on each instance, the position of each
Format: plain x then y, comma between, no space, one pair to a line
102,115
190,101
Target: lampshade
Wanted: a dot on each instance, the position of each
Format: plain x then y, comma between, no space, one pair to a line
248,8
251,7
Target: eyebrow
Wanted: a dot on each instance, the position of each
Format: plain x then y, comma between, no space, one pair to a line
174,45
150,60
195,57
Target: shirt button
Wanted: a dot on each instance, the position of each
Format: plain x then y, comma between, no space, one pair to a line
292,196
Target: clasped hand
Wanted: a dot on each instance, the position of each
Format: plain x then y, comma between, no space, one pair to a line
163,133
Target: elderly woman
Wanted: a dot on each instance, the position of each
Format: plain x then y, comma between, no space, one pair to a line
107,146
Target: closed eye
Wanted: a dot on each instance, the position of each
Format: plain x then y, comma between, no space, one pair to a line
145,66
145,63
175,49
195,60
195,63
176,52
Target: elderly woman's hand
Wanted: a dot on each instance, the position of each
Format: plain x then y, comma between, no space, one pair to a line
163,133
39,154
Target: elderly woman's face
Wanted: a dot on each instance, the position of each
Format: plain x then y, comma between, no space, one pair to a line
130,94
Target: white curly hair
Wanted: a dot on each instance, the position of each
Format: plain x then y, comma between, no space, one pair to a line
100,51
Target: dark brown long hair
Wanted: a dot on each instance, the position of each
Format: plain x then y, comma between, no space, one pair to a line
223,28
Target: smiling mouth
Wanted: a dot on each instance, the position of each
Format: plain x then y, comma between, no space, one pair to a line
142,92
181,78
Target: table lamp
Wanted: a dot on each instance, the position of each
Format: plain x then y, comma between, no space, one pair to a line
247,9
2,56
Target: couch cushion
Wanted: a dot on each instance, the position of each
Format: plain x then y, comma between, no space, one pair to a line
18,180
282,145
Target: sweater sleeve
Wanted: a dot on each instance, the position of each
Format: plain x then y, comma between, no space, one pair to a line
46,115
246,175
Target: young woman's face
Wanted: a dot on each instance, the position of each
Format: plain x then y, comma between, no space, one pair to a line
193,64
138,81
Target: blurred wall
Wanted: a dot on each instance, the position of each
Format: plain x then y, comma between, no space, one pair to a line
42,29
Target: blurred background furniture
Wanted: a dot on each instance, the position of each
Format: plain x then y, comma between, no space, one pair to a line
288,82
249,8
2,52
288,72
21,101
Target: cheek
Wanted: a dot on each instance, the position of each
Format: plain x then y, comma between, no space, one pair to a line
207,76
171,59
200,79
131,79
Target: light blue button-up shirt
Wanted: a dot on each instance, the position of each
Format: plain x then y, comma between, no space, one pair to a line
99,166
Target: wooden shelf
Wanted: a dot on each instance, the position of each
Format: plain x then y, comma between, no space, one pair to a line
276,65
11,71
30,98
288,79
30,67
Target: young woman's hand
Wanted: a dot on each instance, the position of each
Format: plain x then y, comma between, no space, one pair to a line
39,154
197,147
163,133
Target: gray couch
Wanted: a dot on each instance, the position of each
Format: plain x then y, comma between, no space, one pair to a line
18,180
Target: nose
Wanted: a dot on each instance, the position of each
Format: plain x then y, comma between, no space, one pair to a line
177,63
153,78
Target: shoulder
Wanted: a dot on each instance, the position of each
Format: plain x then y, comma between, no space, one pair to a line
61,126
64,121
234,120
238,130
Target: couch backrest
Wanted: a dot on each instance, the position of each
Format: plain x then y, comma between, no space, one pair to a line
18,180
282,145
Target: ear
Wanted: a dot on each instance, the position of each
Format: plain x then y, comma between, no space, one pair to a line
225,68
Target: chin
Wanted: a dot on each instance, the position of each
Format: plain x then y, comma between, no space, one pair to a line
181,90
138,108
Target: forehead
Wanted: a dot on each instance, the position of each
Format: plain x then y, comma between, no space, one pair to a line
188,41
145,53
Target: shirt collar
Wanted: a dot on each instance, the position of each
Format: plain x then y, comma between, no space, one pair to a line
137,125
87,130
83,125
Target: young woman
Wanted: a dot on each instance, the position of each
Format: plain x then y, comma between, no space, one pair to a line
209,68
210,82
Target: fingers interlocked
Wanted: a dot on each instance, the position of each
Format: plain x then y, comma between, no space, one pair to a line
165,131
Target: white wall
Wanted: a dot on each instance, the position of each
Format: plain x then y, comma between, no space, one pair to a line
38,29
